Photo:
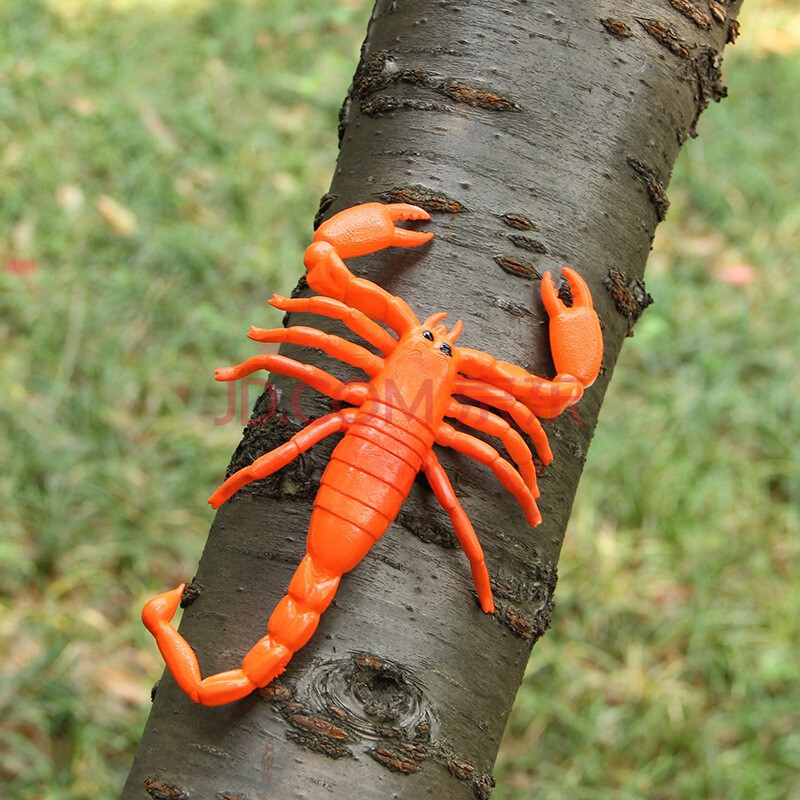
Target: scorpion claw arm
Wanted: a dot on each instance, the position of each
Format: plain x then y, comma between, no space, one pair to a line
370,227
443,490
401,211
575,336
355,232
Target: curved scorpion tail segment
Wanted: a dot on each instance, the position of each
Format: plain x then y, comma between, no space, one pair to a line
182,662
370,227
291,625
575,336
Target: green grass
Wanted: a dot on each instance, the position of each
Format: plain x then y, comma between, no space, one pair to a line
671,669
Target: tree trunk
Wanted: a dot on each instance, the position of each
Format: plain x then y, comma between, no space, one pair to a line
538,134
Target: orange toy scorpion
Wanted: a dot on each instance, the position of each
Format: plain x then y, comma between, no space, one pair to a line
389,433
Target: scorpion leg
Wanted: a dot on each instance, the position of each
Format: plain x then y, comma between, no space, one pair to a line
486,422
443,490
316,378
355,320
276,459
486,454
353,354
520,413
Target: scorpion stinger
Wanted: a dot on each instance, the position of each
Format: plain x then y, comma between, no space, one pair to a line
398,413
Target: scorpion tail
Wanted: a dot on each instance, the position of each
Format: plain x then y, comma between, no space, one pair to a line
291,625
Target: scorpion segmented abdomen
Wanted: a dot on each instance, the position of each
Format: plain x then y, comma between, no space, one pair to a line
368,478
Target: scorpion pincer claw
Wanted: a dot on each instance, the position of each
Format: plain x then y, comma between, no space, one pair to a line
575,336
370,227
402,236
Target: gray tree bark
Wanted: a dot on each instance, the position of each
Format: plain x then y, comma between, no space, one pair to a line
538,134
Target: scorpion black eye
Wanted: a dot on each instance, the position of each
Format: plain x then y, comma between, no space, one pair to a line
446,349
427,335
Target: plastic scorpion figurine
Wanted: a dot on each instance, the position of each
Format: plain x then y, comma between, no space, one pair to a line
389,432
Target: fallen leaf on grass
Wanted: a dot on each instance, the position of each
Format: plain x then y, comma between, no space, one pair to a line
119,219
735,273
69,197
158,129
83,106
20,266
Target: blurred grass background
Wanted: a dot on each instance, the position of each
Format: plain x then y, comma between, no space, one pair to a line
160,163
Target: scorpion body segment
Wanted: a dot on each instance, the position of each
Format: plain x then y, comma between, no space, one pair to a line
396,417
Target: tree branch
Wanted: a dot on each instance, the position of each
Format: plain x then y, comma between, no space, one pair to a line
538,135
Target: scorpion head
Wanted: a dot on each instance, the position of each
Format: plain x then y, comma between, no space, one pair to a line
439,337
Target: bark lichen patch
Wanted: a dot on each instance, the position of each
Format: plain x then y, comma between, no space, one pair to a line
707,64
519,624
161,790
616,27
318,725
383,104
298,480
313,731
478,97
325,203
525,605
666,36
515,309
655,188
427,527
462,770
378,71
517,268
565,293
429,199
482,786
629,295
718,12
395,761
319,744
518,221
190,593
528,243
693,12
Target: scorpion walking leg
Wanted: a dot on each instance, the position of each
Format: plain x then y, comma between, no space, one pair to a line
278,458
443,490
290,625
486,422
353,354
521,414
316,378
486,454
355,320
